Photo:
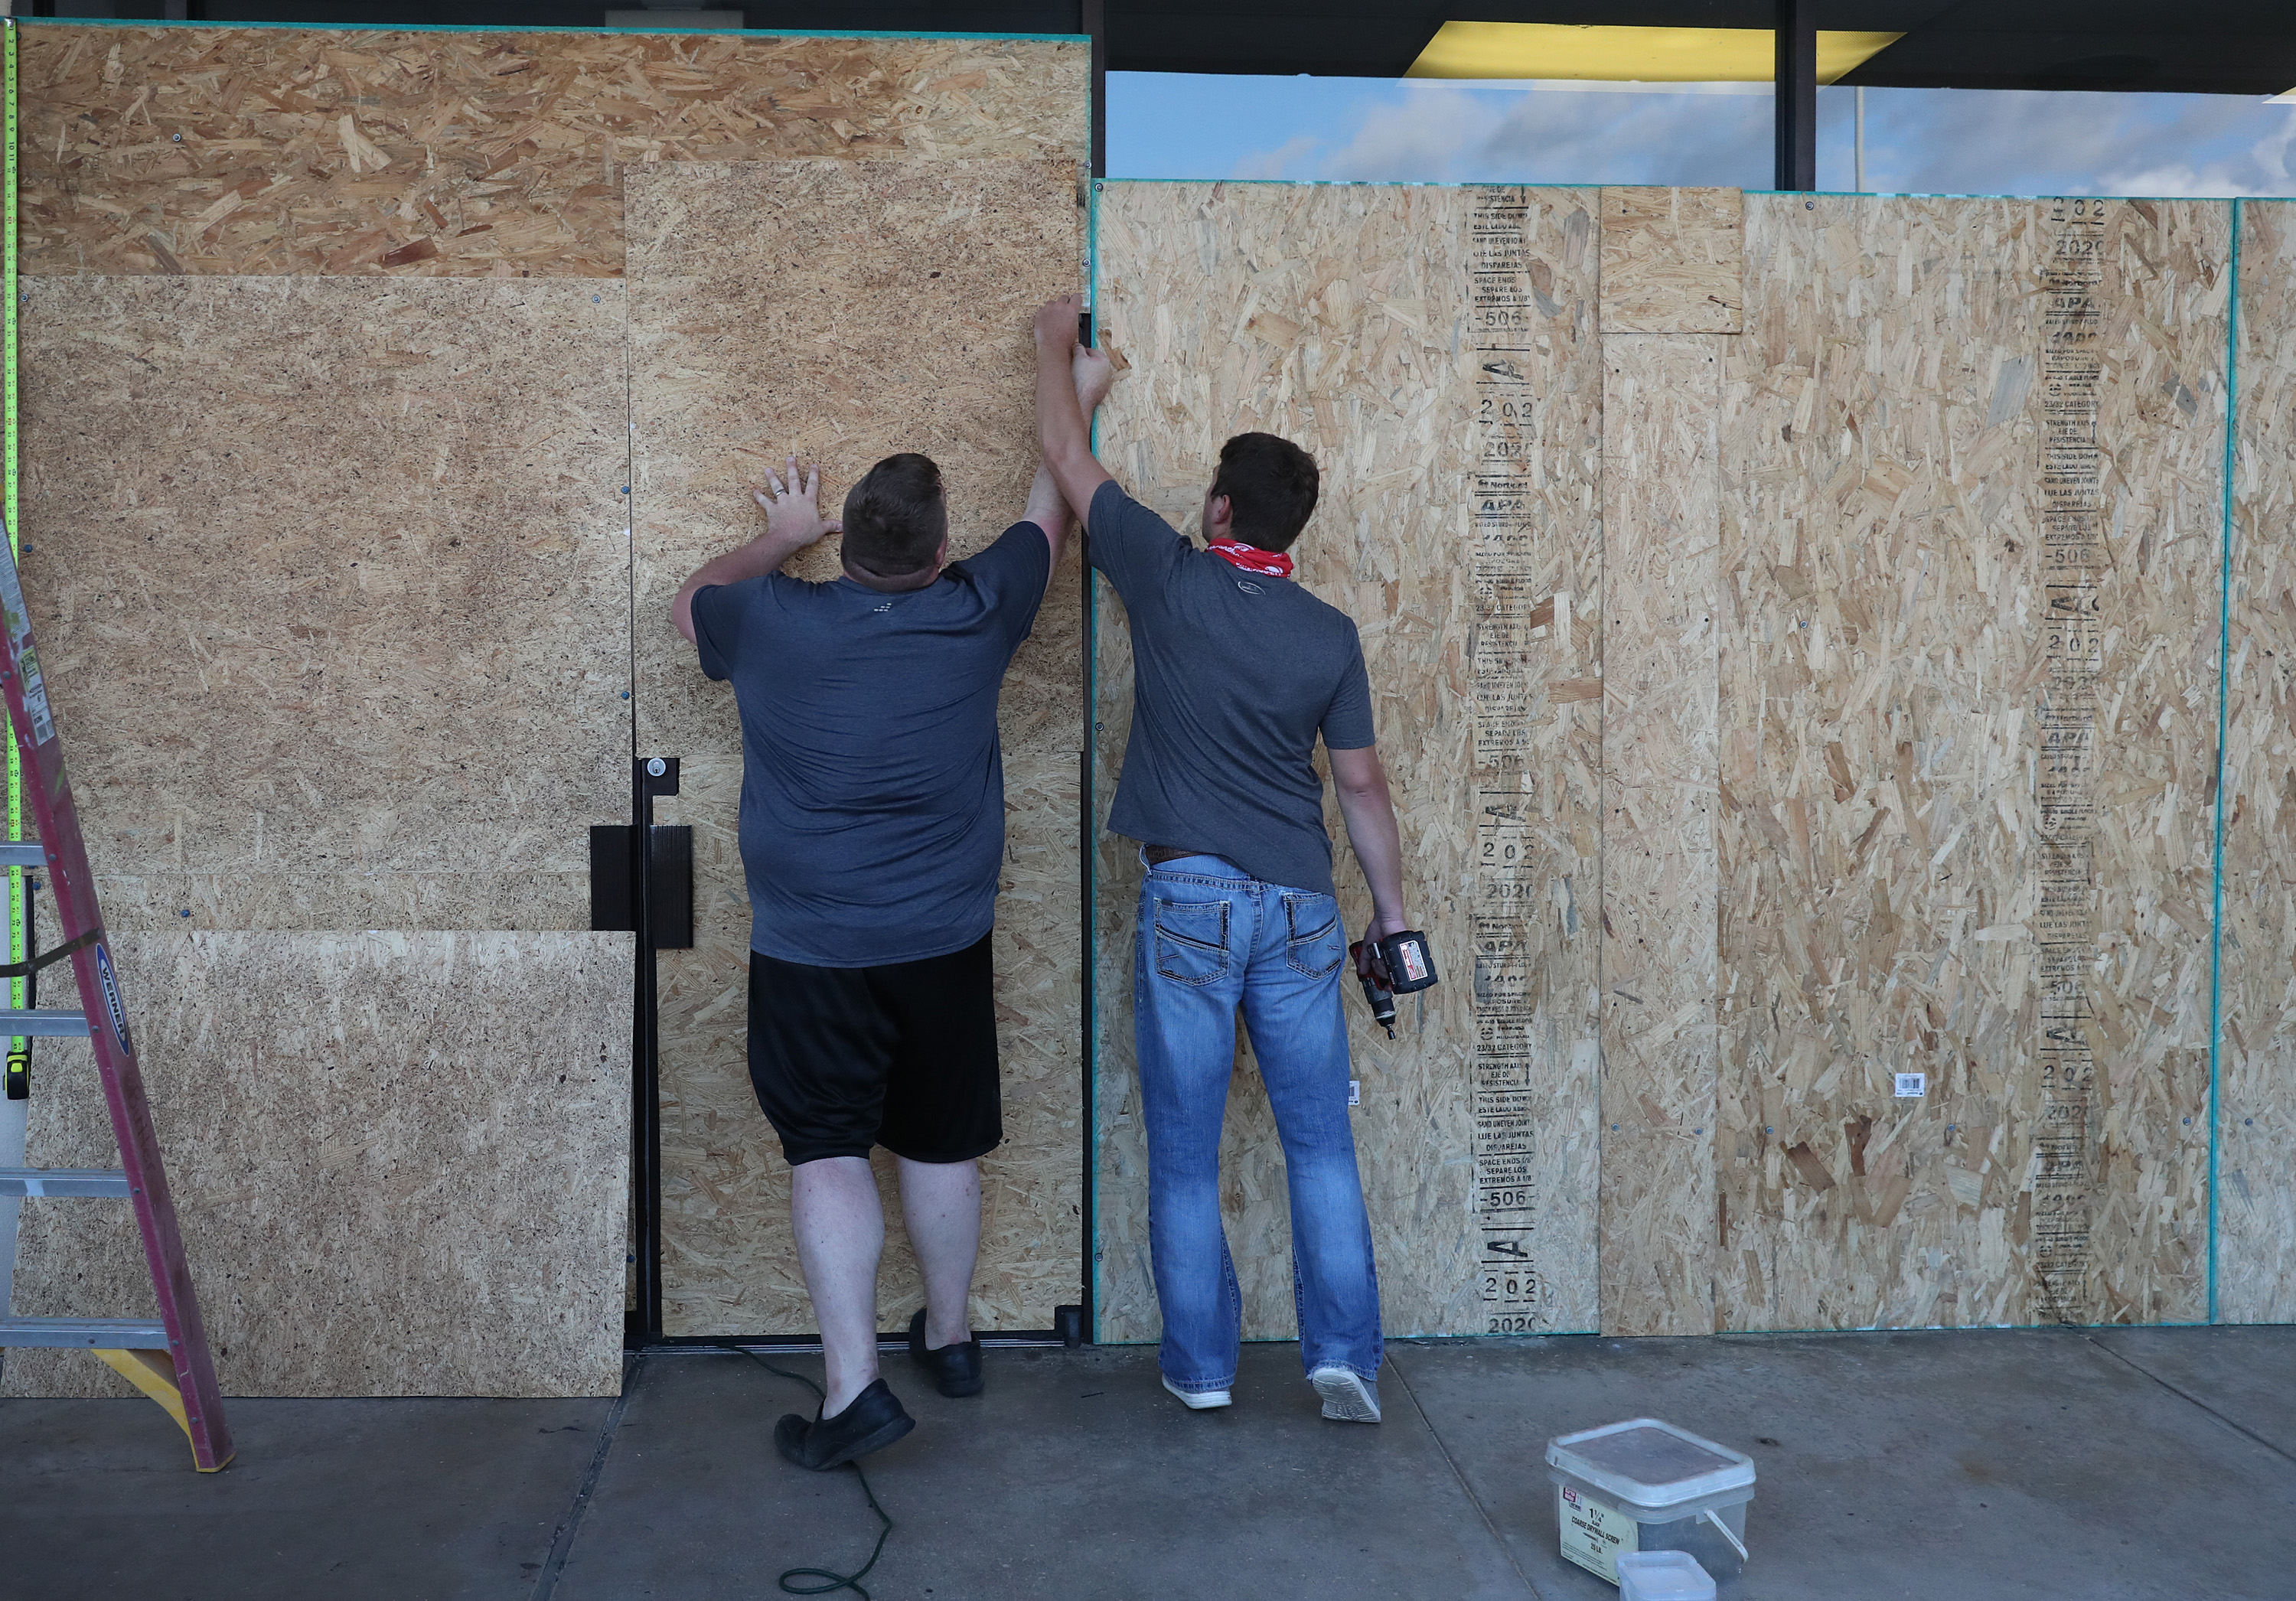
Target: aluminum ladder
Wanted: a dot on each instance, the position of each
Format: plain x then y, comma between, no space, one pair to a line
166,1358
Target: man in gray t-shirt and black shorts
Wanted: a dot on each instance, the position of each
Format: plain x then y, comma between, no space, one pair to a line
872,834
1237,671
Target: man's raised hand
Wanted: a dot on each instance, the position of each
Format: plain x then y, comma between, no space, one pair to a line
792,522
1056,323
793,519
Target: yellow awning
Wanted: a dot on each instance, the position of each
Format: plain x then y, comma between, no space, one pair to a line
1631,54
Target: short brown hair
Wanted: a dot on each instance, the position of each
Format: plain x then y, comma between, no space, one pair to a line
1271,486
896,517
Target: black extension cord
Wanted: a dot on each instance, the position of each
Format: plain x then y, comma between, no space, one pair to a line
831,1582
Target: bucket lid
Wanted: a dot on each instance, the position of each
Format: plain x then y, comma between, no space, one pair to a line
1649,1463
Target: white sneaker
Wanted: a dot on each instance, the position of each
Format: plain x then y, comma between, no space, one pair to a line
1201,1400
1345,1396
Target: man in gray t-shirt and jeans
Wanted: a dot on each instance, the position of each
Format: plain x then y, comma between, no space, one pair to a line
1236,672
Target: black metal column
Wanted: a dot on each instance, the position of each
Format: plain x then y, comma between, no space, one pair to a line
649,777
1092,18
1796,115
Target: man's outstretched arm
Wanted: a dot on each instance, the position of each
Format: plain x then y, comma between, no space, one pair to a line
792,522
1061,371
1048,508
1361,780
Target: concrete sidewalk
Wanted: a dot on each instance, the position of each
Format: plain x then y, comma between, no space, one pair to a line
2038,1463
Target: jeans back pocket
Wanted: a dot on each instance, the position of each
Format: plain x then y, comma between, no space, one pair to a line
1313,943
1191,939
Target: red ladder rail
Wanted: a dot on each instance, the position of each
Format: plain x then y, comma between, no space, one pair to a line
146,1177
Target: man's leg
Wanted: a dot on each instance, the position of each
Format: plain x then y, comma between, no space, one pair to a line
941,1202
944,1111
819,1052
841,1234
1194,932
1292,1006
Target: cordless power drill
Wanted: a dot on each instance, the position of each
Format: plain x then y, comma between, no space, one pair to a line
1400,965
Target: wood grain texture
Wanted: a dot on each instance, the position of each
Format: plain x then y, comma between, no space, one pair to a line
400,1162
1673,260
1340,317
2256,1113
304,151
331,583
851,309
1884,666
1661,485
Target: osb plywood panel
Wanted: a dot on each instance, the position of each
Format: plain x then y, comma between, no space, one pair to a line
2256,1118
400,1162
1372,325
1972,476
845,311
1662,484
334,589
728,1265
848,310
1673,260
276,151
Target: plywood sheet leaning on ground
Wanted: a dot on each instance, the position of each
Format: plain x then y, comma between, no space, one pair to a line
435,1208
1972,479
1375,327
462,155
848,310
2256,1116
332,588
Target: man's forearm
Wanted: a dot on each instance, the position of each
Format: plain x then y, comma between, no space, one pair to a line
1378,845
762,555
1061,432
1059,420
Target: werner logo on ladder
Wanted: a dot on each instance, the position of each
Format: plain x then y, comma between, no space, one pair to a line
167,1358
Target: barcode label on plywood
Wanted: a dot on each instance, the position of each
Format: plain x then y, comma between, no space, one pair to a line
1512,621
2073,630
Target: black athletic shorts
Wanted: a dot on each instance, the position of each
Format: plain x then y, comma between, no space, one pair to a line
902,1056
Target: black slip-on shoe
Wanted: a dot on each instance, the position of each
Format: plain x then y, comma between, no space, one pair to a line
955,1370
871,1422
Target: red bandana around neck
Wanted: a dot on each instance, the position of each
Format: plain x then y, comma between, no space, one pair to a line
1250,558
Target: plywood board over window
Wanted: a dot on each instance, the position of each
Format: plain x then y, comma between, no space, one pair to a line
331,588
2256,1120
426,153
1972,479
847,310
1662,401
332,584
1436,351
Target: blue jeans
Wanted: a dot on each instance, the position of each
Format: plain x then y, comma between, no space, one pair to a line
1210,939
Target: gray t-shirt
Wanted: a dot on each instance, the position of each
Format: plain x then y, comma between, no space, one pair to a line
872,786
1233,677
